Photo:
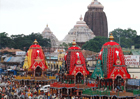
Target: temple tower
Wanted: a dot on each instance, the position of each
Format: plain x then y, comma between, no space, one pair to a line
47,33
80,33
96,19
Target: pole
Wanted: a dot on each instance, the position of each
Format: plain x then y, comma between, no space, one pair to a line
84,80
113,84
124,85
119,40
74,79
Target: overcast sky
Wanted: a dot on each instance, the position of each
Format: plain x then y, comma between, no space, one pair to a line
27,16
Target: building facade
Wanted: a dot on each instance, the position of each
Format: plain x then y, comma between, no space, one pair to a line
96,19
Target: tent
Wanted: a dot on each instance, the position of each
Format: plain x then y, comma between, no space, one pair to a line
1,70
133,82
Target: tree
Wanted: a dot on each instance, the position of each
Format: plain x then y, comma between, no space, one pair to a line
136,41
19,40
126,42
66,46
44,42
95,44
5,41
22,41
127,33
25,41
124,36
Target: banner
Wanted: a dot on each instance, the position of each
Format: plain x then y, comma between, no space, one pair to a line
22,53
132,60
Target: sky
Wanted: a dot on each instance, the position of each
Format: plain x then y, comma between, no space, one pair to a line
27,16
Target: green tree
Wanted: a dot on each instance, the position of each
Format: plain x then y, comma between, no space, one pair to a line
124,37
5,41
126,33
19,41
136,41
126,42
44,42
25,41
65,45
95,44
70,45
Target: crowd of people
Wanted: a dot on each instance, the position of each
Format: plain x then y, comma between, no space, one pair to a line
10,90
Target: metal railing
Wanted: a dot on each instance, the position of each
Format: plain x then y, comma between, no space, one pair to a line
96,92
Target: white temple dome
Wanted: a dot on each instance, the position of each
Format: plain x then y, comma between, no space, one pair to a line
95,4
47,33
47,29
80,33
81,23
